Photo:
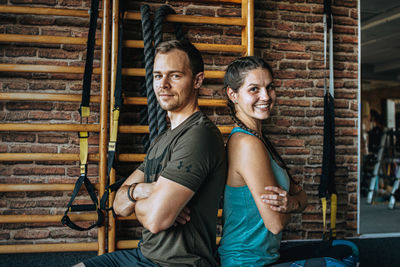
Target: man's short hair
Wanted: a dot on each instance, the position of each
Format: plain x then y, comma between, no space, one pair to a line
194,55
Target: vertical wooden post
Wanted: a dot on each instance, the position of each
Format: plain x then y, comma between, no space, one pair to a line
114,62
103,116
244,29
250,27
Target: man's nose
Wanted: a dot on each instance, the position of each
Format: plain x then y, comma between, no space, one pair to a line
164,82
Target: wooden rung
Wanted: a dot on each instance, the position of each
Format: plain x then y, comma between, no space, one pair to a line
25,10
202,101
210,74
193,19
46,97
45,68
60,247
131,157
145,129
38,187
37,127
200,46
44,157
127,244
26,218
44,39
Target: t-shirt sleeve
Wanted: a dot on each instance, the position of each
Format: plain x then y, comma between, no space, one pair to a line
193,157
141,166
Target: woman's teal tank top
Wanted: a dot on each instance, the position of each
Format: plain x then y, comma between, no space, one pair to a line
245,240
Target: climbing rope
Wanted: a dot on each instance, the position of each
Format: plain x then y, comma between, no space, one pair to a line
149,62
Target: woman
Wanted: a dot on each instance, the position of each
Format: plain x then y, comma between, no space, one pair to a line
260,193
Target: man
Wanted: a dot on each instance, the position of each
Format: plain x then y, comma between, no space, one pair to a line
175,192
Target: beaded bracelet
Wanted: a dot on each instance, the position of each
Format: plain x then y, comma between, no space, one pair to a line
129,194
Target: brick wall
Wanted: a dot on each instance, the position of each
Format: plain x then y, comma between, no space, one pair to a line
288,34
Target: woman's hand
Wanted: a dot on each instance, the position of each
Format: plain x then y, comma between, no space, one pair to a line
143,190
183,217
279,200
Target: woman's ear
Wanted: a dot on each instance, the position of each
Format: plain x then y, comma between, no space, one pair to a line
231,94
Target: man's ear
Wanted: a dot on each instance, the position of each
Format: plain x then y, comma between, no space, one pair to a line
198,80
231,94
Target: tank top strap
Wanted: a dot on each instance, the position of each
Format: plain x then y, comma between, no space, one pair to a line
240,130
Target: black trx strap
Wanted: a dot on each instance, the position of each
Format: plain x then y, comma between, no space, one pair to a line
327,183
84,111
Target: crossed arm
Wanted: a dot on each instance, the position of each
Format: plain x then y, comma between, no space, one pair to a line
158,205
249,159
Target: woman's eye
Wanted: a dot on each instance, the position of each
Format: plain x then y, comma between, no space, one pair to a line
253,89
175,76
157,76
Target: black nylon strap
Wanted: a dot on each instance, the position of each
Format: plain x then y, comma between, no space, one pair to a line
327,181
328,12
87,76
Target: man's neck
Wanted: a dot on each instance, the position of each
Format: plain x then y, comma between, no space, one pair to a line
177,118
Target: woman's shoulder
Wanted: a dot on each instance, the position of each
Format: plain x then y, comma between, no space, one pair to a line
241,141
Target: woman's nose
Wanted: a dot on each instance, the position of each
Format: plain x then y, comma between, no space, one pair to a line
264,94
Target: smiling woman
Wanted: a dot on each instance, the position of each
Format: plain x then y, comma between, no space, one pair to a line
260,193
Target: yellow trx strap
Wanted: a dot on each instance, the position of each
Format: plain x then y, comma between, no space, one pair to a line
83,142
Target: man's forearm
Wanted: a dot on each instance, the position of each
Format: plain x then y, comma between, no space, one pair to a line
123,206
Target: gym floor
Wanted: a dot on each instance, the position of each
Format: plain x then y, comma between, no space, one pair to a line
382,252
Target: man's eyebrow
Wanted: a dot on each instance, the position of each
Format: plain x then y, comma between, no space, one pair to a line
170,71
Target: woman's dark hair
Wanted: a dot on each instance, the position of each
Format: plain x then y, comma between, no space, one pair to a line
234,78
194,55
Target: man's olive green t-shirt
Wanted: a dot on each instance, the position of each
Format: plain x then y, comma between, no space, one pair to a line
191,155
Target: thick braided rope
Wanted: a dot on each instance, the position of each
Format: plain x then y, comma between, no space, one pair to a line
149,59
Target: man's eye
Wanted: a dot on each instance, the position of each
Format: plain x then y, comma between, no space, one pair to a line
253,89
175,76
157,76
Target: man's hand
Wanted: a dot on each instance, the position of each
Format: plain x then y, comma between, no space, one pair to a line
279,200
143,190
183,217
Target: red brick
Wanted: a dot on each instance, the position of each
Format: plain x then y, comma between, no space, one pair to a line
20,52
293,112
228,12
289,47
53,138
297,151
64,233
297,56
285,65
37,115
15,29
306,36
293,102
58,54
39,171
29,138
289,142
284,92
46,106
349,39
297,84
37,20
31,234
